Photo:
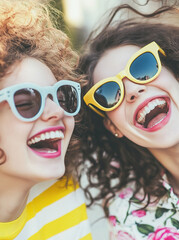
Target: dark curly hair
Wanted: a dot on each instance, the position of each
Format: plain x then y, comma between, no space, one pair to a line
30,29
100,150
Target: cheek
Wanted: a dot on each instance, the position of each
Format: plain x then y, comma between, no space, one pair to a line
13,132
169,85
69,125
166,80
118,118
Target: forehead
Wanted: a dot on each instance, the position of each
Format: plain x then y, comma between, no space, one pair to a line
113,61
28,70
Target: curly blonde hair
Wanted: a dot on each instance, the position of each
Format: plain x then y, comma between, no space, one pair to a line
28,29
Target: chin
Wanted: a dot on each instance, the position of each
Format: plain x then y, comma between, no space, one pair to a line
164,145
53,174
58,173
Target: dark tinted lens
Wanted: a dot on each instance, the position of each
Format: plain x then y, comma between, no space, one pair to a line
67,98
27,102
108,94
144,67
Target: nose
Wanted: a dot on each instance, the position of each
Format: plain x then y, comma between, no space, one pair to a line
133,90
52,111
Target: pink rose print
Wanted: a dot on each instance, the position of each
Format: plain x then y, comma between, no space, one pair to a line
112,220
126,193
124,236
139,213
165,233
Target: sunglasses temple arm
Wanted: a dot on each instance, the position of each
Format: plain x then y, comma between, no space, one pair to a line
162,51
96,110
3,96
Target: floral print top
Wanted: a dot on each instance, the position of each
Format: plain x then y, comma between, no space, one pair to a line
159,221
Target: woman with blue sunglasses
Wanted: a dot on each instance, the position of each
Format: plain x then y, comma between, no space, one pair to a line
39,97
131,143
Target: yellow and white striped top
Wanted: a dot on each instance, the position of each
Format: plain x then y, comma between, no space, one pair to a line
53,212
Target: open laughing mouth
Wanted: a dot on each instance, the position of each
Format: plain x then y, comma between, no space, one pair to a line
47,144
153,115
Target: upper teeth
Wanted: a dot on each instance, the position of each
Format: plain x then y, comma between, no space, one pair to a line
150,106
48,135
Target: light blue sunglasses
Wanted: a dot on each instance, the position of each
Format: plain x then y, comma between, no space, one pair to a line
27,100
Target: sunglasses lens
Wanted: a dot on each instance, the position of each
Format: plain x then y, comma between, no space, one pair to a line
27,102
67,98
144,67
108,94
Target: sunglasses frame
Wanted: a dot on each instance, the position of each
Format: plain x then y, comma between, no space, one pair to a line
89,99
7,94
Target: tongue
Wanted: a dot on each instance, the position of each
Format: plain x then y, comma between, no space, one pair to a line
156,120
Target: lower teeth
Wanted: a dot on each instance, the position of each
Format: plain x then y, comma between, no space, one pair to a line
51,151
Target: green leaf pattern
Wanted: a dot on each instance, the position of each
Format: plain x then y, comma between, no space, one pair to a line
175,223
164,215
145,228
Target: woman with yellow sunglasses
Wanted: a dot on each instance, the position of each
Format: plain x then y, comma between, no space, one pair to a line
131,119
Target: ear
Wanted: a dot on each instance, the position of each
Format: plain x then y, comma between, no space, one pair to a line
2,157
109,125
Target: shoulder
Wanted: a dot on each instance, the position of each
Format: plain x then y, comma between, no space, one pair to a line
56,190
60,208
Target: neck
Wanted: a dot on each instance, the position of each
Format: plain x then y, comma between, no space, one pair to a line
13,198
169,158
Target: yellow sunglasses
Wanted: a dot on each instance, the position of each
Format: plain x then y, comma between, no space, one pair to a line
143,67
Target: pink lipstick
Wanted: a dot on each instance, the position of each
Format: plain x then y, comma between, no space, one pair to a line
153,114
47,143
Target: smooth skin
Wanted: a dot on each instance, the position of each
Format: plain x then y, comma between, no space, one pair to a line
23,168
164,142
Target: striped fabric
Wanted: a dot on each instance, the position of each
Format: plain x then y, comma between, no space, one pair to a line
53,212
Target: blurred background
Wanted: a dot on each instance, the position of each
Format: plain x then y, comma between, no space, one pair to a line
79,18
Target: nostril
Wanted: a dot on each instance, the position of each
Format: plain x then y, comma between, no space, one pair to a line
142,90
132,97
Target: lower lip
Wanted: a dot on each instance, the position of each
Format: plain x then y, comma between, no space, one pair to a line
49,155
159,125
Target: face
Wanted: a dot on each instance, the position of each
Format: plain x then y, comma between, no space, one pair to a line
35,151
155,104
